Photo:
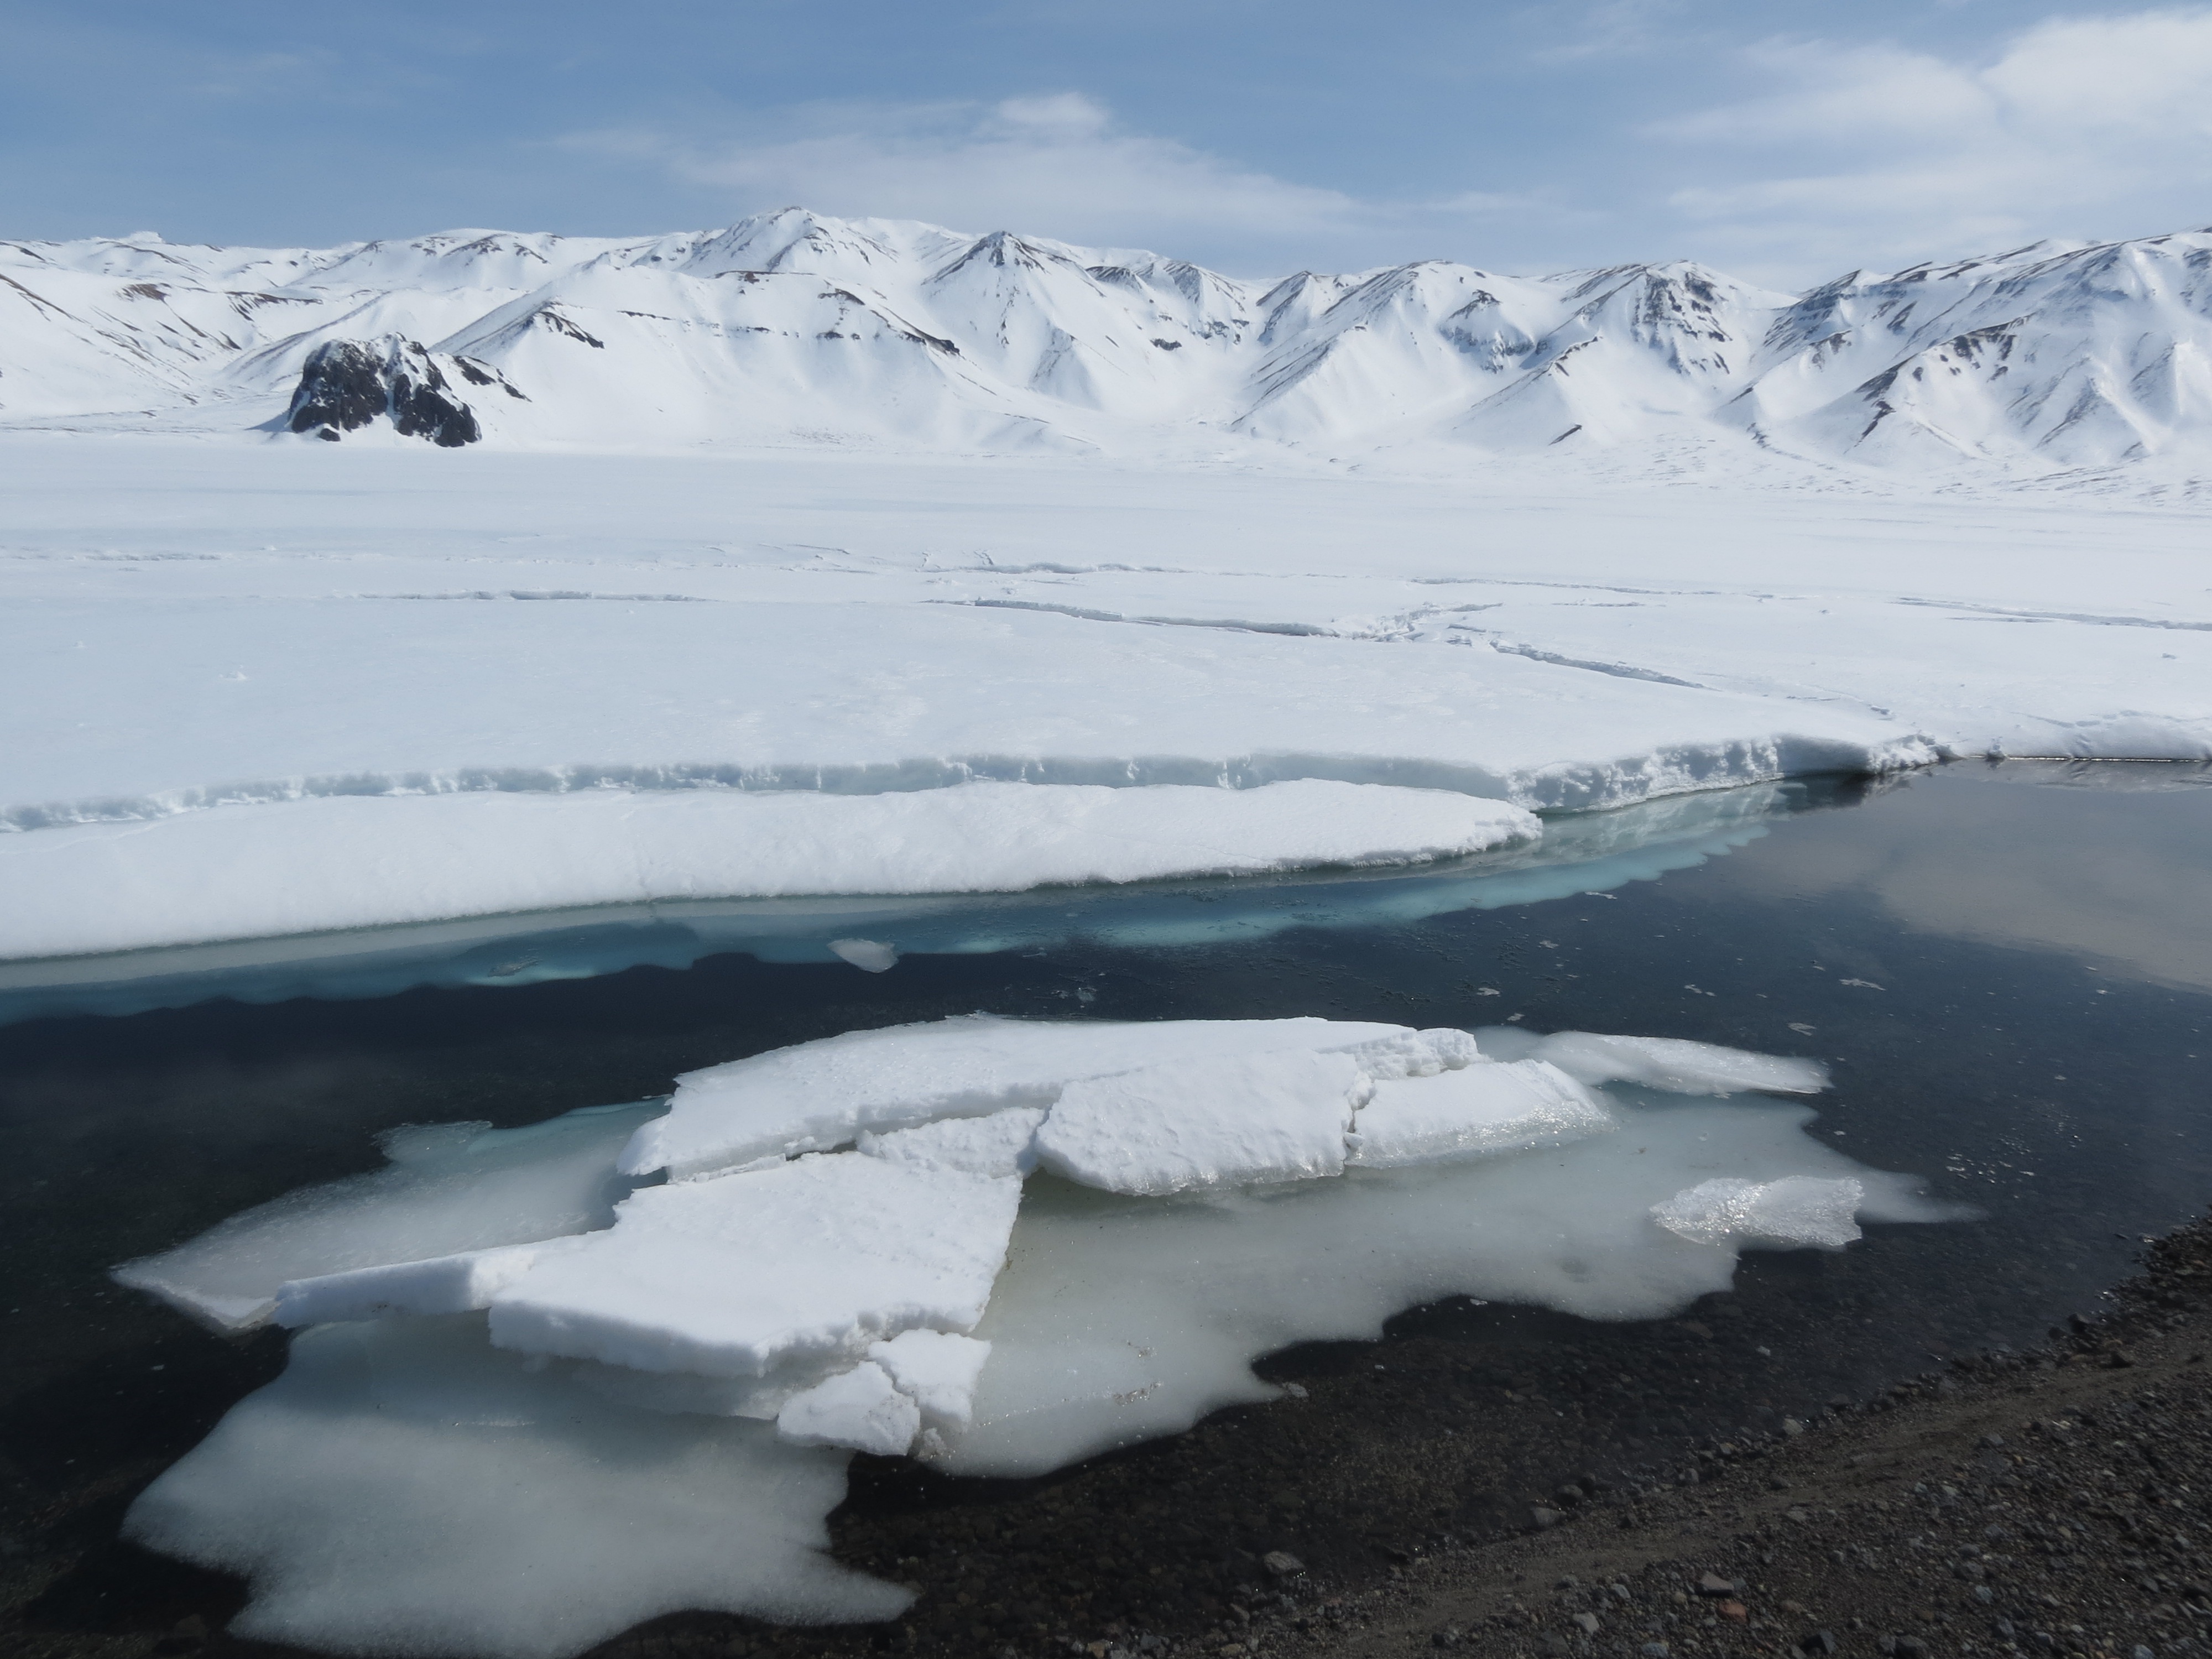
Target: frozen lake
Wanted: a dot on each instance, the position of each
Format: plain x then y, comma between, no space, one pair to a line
2009,969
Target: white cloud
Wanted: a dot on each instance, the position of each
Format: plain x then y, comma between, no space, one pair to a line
2086,125
1054,165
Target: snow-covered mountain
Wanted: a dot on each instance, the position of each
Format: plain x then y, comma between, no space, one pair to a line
790,323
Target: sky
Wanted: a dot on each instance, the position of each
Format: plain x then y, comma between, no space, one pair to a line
1782,141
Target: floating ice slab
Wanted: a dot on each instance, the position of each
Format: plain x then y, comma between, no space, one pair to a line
1672,1064
451,1188
352,860
1207,1215
406,1489
821,1094
859,1409
737,1276
1478,1111
1793,1213
1218,1122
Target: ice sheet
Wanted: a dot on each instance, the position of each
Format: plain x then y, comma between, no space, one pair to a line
406,1489
739,1275
1215,1121
1479,1111
347,860
449,1188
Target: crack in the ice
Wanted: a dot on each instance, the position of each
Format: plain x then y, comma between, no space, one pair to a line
1618,670
1082,613
2006,614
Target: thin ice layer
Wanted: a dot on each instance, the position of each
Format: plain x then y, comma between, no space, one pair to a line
1672,1064
406,1489
1793,1213
464,1283
449,1188
1119,1320
1212,1123
999,1145
800,1262
1479,1111
818,1095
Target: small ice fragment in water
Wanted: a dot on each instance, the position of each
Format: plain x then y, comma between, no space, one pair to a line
859,1409
871,956
1797,1210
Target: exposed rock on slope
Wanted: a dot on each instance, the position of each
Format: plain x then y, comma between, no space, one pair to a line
347,384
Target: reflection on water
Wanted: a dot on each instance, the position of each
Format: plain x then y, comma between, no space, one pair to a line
2006,969
1578,853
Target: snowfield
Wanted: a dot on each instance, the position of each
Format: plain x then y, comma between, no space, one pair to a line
999,1246
252,687
618,545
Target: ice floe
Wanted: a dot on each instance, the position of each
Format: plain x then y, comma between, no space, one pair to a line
998,1245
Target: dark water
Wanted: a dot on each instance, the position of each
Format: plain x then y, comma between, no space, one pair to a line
2010,969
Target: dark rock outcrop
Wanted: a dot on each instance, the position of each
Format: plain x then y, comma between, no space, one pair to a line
346,385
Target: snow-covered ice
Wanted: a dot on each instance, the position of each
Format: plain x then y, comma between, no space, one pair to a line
343,861
818,1095
1232,1120
798,1264
1209,1191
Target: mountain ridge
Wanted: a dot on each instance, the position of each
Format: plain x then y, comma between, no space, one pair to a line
876,331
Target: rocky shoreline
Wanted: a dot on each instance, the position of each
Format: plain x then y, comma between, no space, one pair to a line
2052,1502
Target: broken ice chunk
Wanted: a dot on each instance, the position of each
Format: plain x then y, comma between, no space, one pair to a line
1475,1112
869,955
857,1408
818,1095
1217,1121
1673,1064
939,1371
999,1144
801,1262
1797,1210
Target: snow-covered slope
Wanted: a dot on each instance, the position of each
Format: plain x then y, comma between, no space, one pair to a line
879,332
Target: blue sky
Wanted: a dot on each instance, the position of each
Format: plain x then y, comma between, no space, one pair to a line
1782,141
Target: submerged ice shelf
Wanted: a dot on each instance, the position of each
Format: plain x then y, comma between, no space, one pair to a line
997,1245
